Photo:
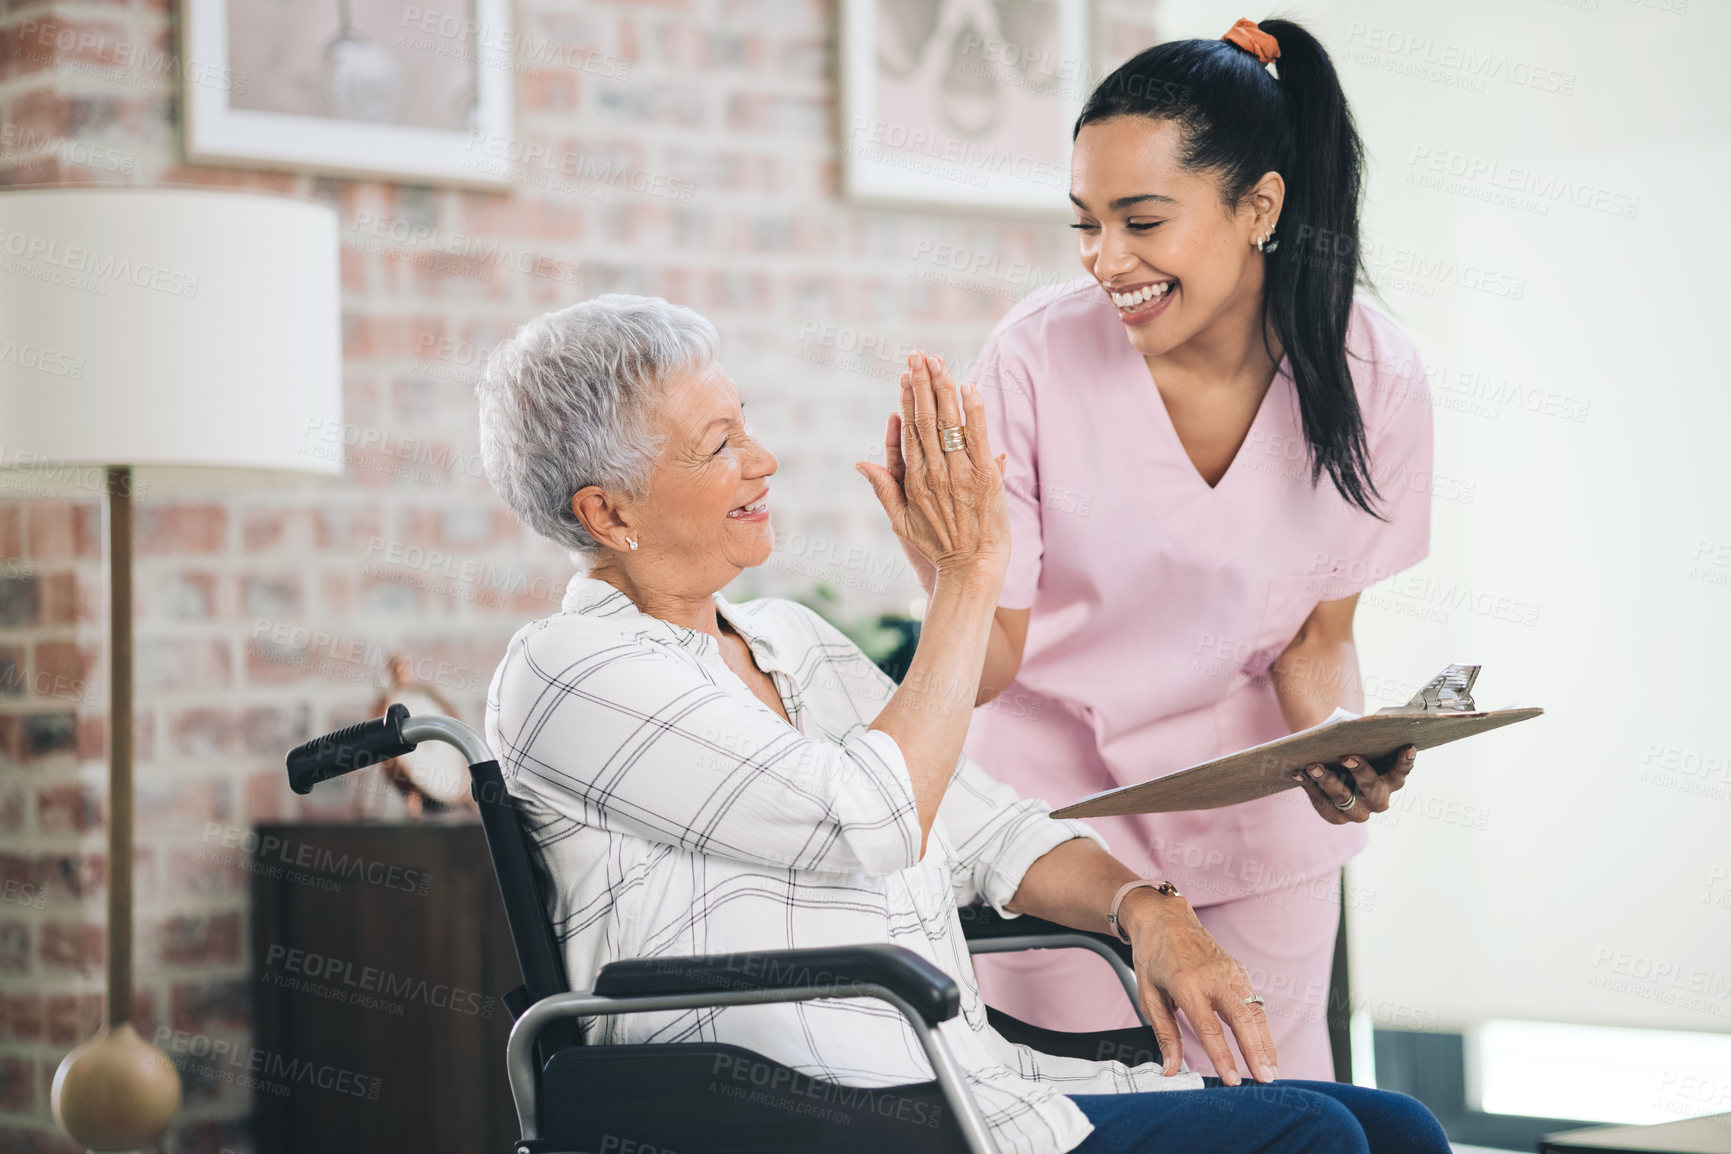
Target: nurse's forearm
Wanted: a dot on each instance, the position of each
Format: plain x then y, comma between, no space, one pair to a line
1313,677
1003,653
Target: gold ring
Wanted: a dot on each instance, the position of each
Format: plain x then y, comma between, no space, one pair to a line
952,440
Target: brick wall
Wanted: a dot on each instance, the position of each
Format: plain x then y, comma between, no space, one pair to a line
263,618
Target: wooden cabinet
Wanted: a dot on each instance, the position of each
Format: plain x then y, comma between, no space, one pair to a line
380,961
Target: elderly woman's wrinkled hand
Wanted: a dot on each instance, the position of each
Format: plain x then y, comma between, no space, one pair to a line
1181,968
948,508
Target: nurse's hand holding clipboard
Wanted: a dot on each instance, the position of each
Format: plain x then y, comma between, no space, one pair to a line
1357,787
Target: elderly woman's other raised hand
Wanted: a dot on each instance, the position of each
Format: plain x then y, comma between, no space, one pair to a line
947,508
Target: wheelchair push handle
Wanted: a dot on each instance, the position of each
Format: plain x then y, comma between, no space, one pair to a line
350,748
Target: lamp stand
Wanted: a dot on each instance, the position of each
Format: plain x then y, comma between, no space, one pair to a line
116,1091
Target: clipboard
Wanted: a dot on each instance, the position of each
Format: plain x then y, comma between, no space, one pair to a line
1441,712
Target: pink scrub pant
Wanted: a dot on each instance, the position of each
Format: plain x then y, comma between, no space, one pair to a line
1284,938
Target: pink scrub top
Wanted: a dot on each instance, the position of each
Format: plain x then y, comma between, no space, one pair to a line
1159,603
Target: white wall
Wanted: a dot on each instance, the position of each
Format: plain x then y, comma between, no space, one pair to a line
1577,868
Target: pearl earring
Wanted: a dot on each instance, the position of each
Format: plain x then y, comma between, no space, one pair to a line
630,542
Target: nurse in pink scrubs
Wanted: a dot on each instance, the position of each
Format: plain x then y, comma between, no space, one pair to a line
1212,448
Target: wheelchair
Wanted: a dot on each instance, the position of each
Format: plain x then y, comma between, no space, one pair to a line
572,1097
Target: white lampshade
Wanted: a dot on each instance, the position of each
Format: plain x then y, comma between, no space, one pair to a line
178,331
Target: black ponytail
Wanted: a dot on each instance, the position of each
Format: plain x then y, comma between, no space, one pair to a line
1239,122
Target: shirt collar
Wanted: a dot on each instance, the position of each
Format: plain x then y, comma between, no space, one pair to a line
594,597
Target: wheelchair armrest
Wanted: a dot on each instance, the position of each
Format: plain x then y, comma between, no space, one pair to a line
982,923
932,993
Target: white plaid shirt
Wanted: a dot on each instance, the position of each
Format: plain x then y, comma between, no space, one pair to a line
677,814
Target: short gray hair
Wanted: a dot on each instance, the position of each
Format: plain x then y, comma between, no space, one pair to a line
567,402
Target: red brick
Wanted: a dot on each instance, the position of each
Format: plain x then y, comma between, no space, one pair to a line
11,532
489,214
60,670
75,947
144,1015
269,664
247,180
262,528
73,877
20,599
71,807
71,1018
355,266
177,530
272,730
210,1007
14,681
37,736
267,797
59,593
17,1085
12,808
20,878
14,947
551,91
88,530
93,739
203,732
21,1018
199,939
392,336
99,42
51,531
39,113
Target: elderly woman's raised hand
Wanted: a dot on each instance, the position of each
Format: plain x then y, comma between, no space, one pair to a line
948,508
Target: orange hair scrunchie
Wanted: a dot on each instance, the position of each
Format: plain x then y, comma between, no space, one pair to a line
1253,40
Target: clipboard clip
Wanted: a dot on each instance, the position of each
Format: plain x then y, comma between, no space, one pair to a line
1450,691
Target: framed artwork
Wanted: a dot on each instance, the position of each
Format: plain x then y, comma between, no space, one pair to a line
962,102
369,88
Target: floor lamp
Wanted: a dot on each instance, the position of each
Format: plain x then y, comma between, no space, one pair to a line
162,341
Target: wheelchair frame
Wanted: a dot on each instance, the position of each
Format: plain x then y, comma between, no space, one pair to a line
545,1009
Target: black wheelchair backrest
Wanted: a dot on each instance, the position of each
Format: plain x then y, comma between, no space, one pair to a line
396,733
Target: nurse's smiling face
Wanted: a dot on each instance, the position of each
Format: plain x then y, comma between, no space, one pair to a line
1176,261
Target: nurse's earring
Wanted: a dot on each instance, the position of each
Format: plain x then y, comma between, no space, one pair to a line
1266,242
631,542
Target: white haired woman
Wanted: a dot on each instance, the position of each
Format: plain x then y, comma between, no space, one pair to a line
705,777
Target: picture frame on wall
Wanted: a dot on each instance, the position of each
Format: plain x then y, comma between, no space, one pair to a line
374,89
963,103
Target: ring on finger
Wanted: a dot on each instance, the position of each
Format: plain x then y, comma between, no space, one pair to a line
952,440
1343,806
1252,1000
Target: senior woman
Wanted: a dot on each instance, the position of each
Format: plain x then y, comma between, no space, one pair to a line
706,777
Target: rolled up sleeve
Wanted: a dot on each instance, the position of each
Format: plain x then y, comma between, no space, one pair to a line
997,835
632,737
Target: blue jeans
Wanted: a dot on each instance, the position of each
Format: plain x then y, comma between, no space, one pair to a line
1283,1117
